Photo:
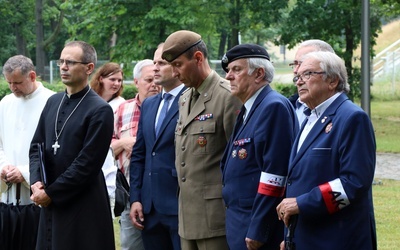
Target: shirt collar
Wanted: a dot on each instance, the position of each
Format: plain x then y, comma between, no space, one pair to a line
249,103
320,109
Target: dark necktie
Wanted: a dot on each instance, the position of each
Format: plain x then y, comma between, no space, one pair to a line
195,96
239,120
307,111
163,112
298,104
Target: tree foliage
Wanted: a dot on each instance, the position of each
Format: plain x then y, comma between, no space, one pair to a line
129,30
337,22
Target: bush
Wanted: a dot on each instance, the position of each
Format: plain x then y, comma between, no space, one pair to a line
4,90
285,89
129,92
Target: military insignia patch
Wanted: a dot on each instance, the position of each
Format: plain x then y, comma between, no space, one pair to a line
202,141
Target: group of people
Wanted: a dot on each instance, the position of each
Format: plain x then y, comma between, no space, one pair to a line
213,162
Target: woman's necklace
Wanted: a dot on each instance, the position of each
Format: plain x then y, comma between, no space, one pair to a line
56,146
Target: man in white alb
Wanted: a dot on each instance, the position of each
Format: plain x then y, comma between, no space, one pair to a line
19,115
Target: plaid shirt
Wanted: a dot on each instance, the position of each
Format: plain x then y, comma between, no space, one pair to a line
126,121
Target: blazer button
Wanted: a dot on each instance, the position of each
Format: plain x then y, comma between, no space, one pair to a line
183,179
183,164
289,182
183,148
153,153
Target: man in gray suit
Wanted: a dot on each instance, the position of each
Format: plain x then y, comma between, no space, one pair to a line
207,113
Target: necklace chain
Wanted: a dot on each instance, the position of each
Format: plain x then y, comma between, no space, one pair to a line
58,110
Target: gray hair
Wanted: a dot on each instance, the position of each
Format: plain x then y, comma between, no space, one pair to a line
256,63
137,70
319,45
20,62
334,67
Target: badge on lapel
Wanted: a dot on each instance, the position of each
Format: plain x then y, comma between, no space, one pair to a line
328,128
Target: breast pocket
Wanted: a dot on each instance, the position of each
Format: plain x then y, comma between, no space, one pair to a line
321,151
202,137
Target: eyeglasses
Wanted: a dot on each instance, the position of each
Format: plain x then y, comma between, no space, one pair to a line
69,63
294,64
306,76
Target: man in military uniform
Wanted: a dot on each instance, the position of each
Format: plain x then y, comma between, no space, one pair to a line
207,112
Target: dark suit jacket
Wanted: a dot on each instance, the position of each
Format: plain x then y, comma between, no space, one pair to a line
259,148
153,178
293,98
331,177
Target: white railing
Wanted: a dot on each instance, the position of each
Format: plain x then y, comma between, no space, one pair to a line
387,60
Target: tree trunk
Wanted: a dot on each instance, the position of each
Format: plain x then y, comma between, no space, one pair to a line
222,43
20,41
40,53
235,22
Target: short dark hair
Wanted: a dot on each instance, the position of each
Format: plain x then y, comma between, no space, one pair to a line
89,53
201,46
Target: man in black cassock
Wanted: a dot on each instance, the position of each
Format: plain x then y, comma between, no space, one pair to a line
76,128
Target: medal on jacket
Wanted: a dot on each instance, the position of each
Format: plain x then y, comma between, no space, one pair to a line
242,153
202,141
328,128
234,153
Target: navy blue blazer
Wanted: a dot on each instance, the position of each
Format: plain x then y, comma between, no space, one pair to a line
257,149
153,177
331,177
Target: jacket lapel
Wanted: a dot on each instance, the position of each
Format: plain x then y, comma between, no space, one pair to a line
173,110
318,128
153,111
204,97
257,102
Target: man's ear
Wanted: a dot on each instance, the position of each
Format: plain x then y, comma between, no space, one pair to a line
90,68
32,75
260,73
198,56
333,83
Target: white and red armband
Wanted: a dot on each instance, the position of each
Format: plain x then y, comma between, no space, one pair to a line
334,196
272,185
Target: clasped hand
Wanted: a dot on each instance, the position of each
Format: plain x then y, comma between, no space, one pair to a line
39,196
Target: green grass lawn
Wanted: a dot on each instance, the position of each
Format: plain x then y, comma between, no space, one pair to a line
386,121
387,214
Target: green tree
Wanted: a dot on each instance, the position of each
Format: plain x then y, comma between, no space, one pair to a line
337,22
54,18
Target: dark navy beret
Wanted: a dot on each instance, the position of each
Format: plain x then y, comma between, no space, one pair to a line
243,51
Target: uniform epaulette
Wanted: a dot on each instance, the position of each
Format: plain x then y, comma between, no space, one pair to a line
186,90
225,84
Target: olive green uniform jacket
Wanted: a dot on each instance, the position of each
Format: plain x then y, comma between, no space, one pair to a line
201,137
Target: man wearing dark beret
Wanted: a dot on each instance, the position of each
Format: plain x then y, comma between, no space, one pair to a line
255,161
207,113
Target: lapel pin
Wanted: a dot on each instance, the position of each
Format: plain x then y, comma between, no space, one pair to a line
328,128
